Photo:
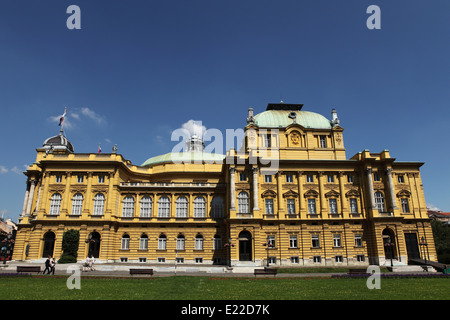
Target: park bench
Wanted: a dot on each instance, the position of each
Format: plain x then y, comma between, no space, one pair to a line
141,271
21,269
265,271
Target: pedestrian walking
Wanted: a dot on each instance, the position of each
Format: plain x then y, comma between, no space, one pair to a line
52,266
47,265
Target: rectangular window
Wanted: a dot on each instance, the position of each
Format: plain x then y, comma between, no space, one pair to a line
376,177
350,178
291,206
269,206
353,205
179,260
272,260
267,142
339,258
271,241
312,206
268,178
143,260
330,178
317,259
293,243
242,177
58,179
337,240
289,178
295,260
405,205
162,244
198,243
180,243
161,260
80,179
315,241
198,260
401,178
323,141
333,206
360,258
125,245
310,178
143,243
358,240
101,179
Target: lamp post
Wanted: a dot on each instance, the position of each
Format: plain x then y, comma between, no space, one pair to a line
423,245
269,245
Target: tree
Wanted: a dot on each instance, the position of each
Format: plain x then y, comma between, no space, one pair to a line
70,243
441,232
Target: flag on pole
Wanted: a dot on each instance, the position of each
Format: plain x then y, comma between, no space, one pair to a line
99,148
62,117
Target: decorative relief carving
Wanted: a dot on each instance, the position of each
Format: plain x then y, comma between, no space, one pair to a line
295,138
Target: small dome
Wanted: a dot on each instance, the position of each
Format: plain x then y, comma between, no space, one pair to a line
58,142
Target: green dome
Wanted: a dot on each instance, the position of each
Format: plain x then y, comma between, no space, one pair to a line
280,118
185,157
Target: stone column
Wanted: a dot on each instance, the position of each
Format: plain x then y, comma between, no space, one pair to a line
391,188
342,191
255,189
370,183
25,201
301,205
323,202
30,197
279,176
232,189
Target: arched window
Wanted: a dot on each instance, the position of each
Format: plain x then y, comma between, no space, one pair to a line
162,242
164,207
243,203
125,243
77,204
379,201
181,207
128,207
217,207
199,242
146,207
99,204
143,242
180,242
199,207
55,204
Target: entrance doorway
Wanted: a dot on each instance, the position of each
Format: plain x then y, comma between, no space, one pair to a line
390,251
412,247
49,244
245,246
94,244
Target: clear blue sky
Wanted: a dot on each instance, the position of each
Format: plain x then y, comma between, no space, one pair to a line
139,69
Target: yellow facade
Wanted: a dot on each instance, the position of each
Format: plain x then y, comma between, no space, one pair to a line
289,196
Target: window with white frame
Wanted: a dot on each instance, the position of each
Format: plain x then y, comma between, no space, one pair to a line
101,179
128,207
358,240
339,259
77,204
350,178
336,240
267,178
242,176
146,207
164,207
99,204
199,242
315,243
217,244
353,205
58,179
333,205
330,178
125,243
271,241
181,207
309,178
405,205
199,207
269,206
401,178
181,242
55,204
289,178
317,259
379,201
80,179
290,206
162,242
323,141
293,243
312,206
143,242
217,207
243,202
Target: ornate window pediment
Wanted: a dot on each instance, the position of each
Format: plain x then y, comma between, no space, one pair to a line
311,193
403,194
352,193
290,193
332,194
269,193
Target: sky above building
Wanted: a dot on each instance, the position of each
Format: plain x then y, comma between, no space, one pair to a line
138,70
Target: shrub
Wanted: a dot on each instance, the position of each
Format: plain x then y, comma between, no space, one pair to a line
70,243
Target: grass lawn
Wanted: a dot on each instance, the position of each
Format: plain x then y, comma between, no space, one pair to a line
216,288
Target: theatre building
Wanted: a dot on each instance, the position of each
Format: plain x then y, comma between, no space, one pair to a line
288,197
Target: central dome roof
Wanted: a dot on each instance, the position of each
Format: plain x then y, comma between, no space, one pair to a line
58,142
185,157
284,118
